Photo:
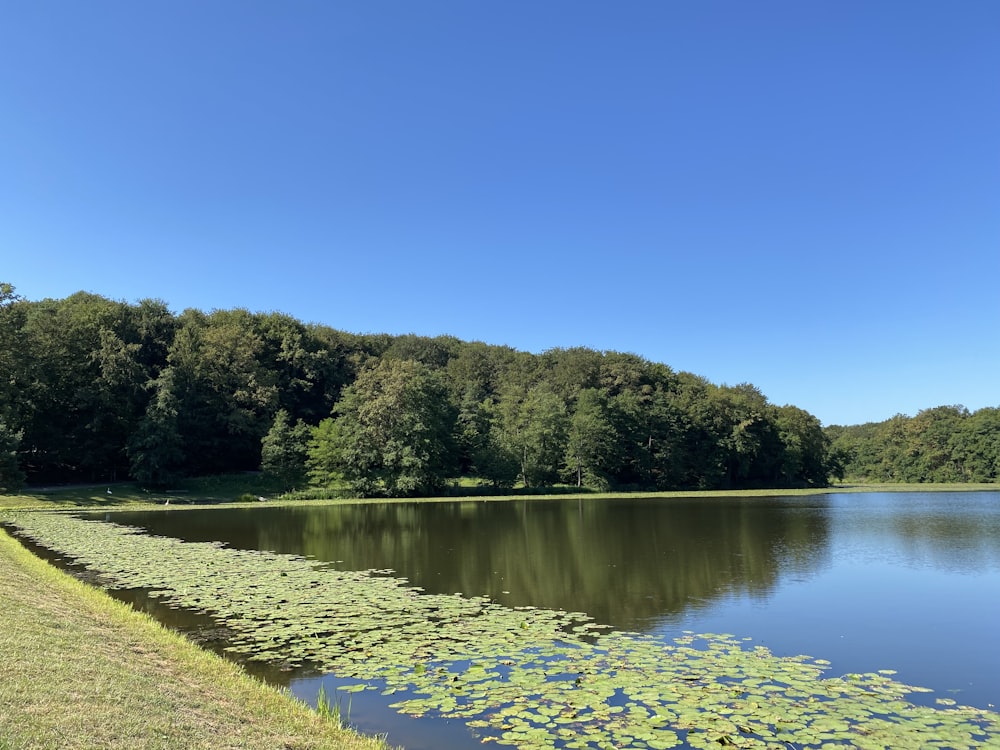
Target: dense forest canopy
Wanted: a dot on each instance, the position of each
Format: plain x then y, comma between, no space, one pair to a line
943,444
96,390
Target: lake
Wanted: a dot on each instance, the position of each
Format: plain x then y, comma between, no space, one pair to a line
902,581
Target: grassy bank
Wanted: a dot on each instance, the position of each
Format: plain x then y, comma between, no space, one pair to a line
80,670
233,489
214,489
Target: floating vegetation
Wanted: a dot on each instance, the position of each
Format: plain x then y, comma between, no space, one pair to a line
524,677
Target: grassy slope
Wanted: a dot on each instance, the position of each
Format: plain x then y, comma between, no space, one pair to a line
80,670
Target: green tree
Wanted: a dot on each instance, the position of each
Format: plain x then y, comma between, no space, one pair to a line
977,444
747,436
474,377
890,441
11,476
479,369
11,322
853,448
806,448
532,425
392,433
569,371
226,394
72,428
930,454
591,441
284,449
433,352
328,454
156,449
308,365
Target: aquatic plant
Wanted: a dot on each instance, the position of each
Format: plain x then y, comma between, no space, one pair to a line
526,677
332,709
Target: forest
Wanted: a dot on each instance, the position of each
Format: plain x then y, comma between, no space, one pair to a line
93,389
941,444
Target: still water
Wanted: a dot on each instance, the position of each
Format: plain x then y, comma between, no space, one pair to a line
868,581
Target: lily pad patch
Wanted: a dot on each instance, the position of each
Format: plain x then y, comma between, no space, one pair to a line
525,677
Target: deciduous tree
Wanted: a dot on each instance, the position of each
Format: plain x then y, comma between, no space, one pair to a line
392,432
284,449
591,440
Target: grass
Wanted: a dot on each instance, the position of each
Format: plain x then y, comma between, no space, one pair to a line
214,489
81,670
237,488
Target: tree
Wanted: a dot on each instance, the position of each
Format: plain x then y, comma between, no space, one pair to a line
391,434
433,352
327,454
805,459
570,371
284,449
930,453
73,427
226,394
977,442
590,444
531,425
156,449
479,369
307,365
11,321
746,434
11,476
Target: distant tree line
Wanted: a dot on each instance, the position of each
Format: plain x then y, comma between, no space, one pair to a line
96,390
943,444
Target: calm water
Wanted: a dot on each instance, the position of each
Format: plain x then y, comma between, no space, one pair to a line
905,581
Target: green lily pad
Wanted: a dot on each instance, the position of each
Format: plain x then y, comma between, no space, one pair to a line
534,677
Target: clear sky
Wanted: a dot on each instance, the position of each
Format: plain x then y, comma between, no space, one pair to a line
800,195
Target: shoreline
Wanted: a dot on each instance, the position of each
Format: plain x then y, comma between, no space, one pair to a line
79,669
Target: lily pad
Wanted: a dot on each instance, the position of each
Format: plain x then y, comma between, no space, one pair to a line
533,677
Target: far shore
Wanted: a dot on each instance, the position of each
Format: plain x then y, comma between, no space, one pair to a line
251,491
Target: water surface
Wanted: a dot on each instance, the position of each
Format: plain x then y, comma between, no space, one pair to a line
906,581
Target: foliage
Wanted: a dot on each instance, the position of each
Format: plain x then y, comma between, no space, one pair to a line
332,710
531,428
11,476
97,390
392,433
284,449
156,448
942,444
591,441
805,457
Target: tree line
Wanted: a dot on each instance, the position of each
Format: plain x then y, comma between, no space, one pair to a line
942,444
93,389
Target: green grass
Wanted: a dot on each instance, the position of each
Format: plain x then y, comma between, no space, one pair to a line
81,670
205,490
246,488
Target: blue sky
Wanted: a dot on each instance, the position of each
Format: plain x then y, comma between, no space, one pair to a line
800,195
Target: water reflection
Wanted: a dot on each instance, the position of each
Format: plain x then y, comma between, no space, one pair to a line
957,532
625,563
908,581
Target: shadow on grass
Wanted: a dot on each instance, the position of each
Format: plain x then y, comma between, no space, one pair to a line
200,490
